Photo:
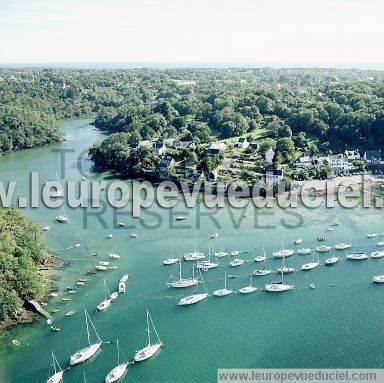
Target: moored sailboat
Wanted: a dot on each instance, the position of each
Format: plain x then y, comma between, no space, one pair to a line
117,372
151,348
90,349
58,375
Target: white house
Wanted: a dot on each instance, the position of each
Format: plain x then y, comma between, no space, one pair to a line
352,155
336,162
242,143
303,162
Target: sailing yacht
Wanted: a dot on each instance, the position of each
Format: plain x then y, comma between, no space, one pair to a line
323,249
107,299
62,218
236,262
122,283
204,265
59,193
277,287
260,258
378,279
377,254
248,289
311,265
194,255
194,298
342,246
357,256
117,372
223,292
58,375
285,269
91,348
331,261
150,349
170,261
264,271
283,253
184,282
304,251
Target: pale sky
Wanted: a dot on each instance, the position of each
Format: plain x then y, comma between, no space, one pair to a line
290,32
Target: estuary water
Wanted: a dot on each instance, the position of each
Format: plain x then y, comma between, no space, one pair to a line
337,324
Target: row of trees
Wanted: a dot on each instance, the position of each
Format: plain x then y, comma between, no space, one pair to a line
21,250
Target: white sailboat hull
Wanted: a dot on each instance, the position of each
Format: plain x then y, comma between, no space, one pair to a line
309,266
342,246
323,249
147,352
170,261
192,299
182,283
104,305
247,290
84,354
357,256
304,251
377,254
194,256
277,288
207,265
286,270
56,378
260,259
261,273
283,253
237,262
222,292
221,254
331,261
116,373
124,278
378,279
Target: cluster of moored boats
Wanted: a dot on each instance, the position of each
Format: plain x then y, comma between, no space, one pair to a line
201,263
93,346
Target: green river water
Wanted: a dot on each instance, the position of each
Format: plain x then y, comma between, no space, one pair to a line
337,324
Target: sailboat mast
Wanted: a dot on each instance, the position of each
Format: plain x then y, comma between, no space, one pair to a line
86,323
180,268
225,280
148,331
118,353
53,362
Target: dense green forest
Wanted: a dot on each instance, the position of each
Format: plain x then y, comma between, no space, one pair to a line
313,109
21,250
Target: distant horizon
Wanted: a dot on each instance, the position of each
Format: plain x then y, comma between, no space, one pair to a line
192,64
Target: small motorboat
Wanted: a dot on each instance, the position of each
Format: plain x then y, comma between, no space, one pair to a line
380,244
372,235
232,276
215,235
100,268
70,313
104,263
298,241
15,342
312,285
133,235
66,299
62,218
180,217
110,236
114,256
55,328
330,228
322,239
57,309
261,273
80,283
235,253
46,228
92,272
121,224
54,294
378,279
